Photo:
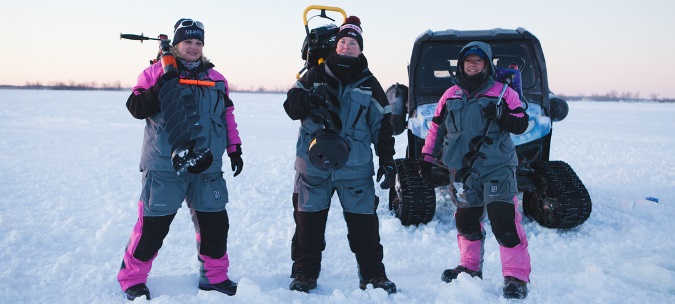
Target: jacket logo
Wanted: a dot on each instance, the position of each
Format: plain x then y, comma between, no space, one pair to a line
216,194
494,189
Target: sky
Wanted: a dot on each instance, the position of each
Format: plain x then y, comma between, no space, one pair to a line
70,184
591,47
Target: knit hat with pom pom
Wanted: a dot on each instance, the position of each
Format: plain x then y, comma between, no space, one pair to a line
351,28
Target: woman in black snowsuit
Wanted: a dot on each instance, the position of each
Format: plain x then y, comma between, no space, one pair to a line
343,85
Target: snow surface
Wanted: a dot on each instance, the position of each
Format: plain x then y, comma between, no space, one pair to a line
70,183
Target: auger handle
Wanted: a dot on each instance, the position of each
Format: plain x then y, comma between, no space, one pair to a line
323,10
136,37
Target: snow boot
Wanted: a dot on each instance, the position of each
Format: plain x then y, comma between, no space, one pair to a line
136,291
303,283
227,287
451,274
379,282
514,288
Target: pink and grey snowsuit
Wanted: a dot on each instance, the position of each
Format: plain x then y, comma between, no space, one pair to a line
458,119
164,191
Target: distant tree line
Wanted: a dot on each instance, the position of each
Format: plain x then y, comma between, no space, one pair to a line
116,86
258,89
614,95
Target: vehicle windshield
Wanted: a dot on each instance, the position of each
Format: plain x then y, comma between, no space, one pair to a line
438,64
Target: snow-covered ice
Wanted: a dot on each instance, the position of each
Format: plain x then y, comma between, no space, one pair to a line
69,184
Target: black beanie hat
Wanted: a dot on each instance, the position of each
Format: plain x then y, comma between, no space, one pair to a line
186,28
351,28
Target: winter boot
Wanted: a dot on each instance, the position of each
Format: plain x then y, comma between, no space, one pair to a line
136,291
514,288
303,283
379,282
227,287
451,274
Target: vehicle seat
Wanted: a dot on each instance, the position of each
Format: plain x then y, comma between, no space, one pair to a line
439,74
442,69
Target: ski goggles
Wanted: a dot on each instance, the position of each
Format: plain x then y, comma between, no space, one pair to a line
189,23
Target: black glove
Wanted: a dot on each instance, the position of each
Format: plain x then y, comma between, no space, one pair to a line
425,169
492,111
236,161
388,170
170,74
319,96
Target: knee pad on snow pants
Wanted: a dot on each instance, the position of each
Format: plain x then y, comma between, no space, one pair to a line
468,221
502,217
308,241
364,240
155,229
213,228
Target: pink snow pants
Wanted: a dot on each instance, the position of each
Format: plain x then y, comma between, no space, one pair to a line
515,261
135,271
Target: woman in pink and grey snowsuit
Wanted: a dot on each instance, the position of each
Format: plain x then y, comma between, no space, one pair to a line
483,183
189,127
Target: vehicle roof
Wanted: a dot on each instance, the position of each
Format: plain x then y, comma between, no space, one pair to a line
487,35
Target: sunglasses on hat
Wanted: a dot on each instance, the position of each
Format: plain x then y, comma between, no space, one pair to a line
189,23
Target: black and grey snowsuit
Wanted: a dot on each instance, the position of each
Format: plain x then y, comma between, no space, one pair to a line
365,114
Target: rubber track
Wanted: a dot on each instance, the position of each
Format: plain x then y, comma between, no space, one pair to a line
414,199
569,204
